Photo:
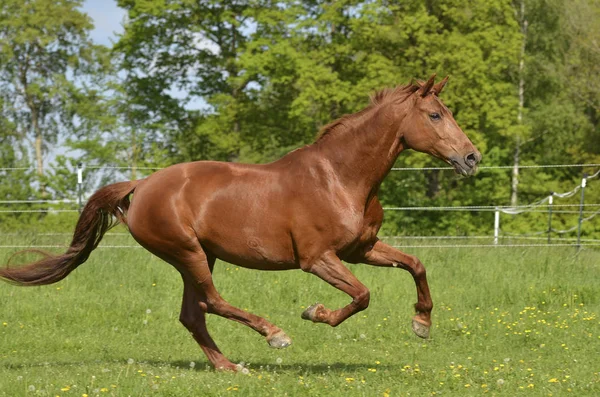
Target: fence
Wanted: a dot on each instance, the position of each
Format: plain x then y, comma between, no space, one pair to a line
585,212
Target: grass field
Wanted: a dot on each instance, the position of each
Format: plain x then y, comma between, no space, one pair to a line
506,322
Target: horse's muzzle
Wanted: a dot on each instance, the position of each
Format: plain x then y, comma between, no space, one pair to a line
466,165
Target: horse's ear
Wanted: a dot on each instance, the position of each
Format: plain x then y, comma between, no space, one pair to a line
437,89
426,87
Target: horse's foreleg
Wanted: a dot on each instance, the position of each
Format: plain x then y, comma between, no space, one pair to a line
383,255
331,269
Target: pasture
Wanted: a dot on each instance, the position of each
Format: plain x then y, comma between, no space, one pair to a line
518,321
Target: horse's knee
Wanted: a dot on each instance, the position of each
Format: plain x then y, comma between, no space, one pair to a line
418,270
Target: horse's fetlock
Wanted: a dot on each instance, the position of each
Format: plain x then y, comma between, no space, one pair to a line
423,307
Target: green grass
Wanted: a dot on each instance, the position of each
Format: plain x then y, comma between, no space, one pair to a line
506,322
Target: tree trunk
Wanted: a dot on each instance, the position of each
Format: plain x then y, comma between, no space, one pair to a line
39,150
433,184
514,196
133,155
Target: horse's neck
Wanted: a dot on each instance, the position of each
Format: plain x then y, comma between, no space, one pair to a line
362,152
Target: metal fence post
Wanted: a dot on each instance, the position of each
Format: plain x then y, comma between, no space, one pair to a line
80,185
496,225
550,215
583,183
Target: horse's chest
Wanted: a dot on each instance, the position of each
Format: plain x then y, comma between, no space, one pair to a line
365,233
361,227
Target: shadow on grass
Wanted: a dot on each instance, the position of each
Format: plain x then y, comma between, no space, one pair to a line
300,368
203,366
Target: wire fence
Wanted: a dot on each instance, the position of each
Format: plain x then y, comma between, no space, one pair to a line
586,211
481,168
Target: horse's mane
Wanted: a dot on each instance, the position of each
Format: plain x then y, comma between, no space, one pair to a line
387,95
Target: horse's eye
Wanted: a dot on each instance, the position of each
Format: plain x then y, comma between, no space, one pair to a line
435,116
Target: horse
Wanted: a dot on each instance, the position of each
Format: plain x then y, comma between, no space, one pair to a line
312,209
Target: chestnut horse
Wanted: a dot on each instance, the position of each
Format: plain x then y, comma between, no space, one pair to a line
309,210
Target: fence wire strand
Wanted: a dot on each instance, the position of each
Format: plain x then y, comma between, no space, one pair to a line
489,167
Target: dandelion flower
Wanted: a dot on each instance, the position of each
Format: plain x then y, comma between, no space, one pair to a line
279,360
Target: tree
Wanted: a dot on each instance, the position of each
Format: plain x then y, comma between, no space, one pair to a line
45,57
194,47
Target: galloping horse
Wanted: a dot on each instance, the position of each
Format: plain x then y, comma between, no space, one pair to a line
309,210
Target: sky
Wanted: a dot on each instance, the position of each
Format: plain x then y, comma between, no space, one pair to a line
108,23
108,20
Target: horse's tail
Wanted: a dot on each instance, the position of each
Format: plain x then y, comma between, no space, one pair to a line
105,209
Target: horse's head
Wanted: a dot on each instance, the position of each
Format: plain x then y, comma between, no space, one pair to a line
429,127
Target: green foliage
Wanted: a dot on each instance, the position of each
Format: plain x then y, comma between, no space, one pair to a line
44,50
251,80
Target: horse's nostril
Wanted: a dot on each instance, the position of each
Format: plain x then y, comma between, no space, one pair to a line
471,159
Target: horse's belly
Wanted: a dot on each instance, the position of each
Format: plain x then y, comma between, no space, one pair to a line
254,253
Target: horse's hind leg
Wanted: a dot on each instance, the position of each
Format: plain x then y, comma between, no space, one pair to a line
196,270
194,319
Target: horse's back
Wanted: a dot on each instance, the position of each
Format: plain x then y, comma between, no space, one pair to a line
252,215
239,212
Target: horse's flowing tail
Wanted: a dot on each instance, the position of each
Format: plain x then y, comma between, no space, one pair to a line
105,209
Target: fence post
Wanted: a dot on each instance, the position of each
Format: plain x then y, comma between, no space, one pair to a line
496,225
550,215
583,183
80,185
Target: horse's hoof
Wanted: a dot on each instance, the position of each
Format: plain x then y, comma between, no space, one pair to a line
279,340
311,311
226,367
420,329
